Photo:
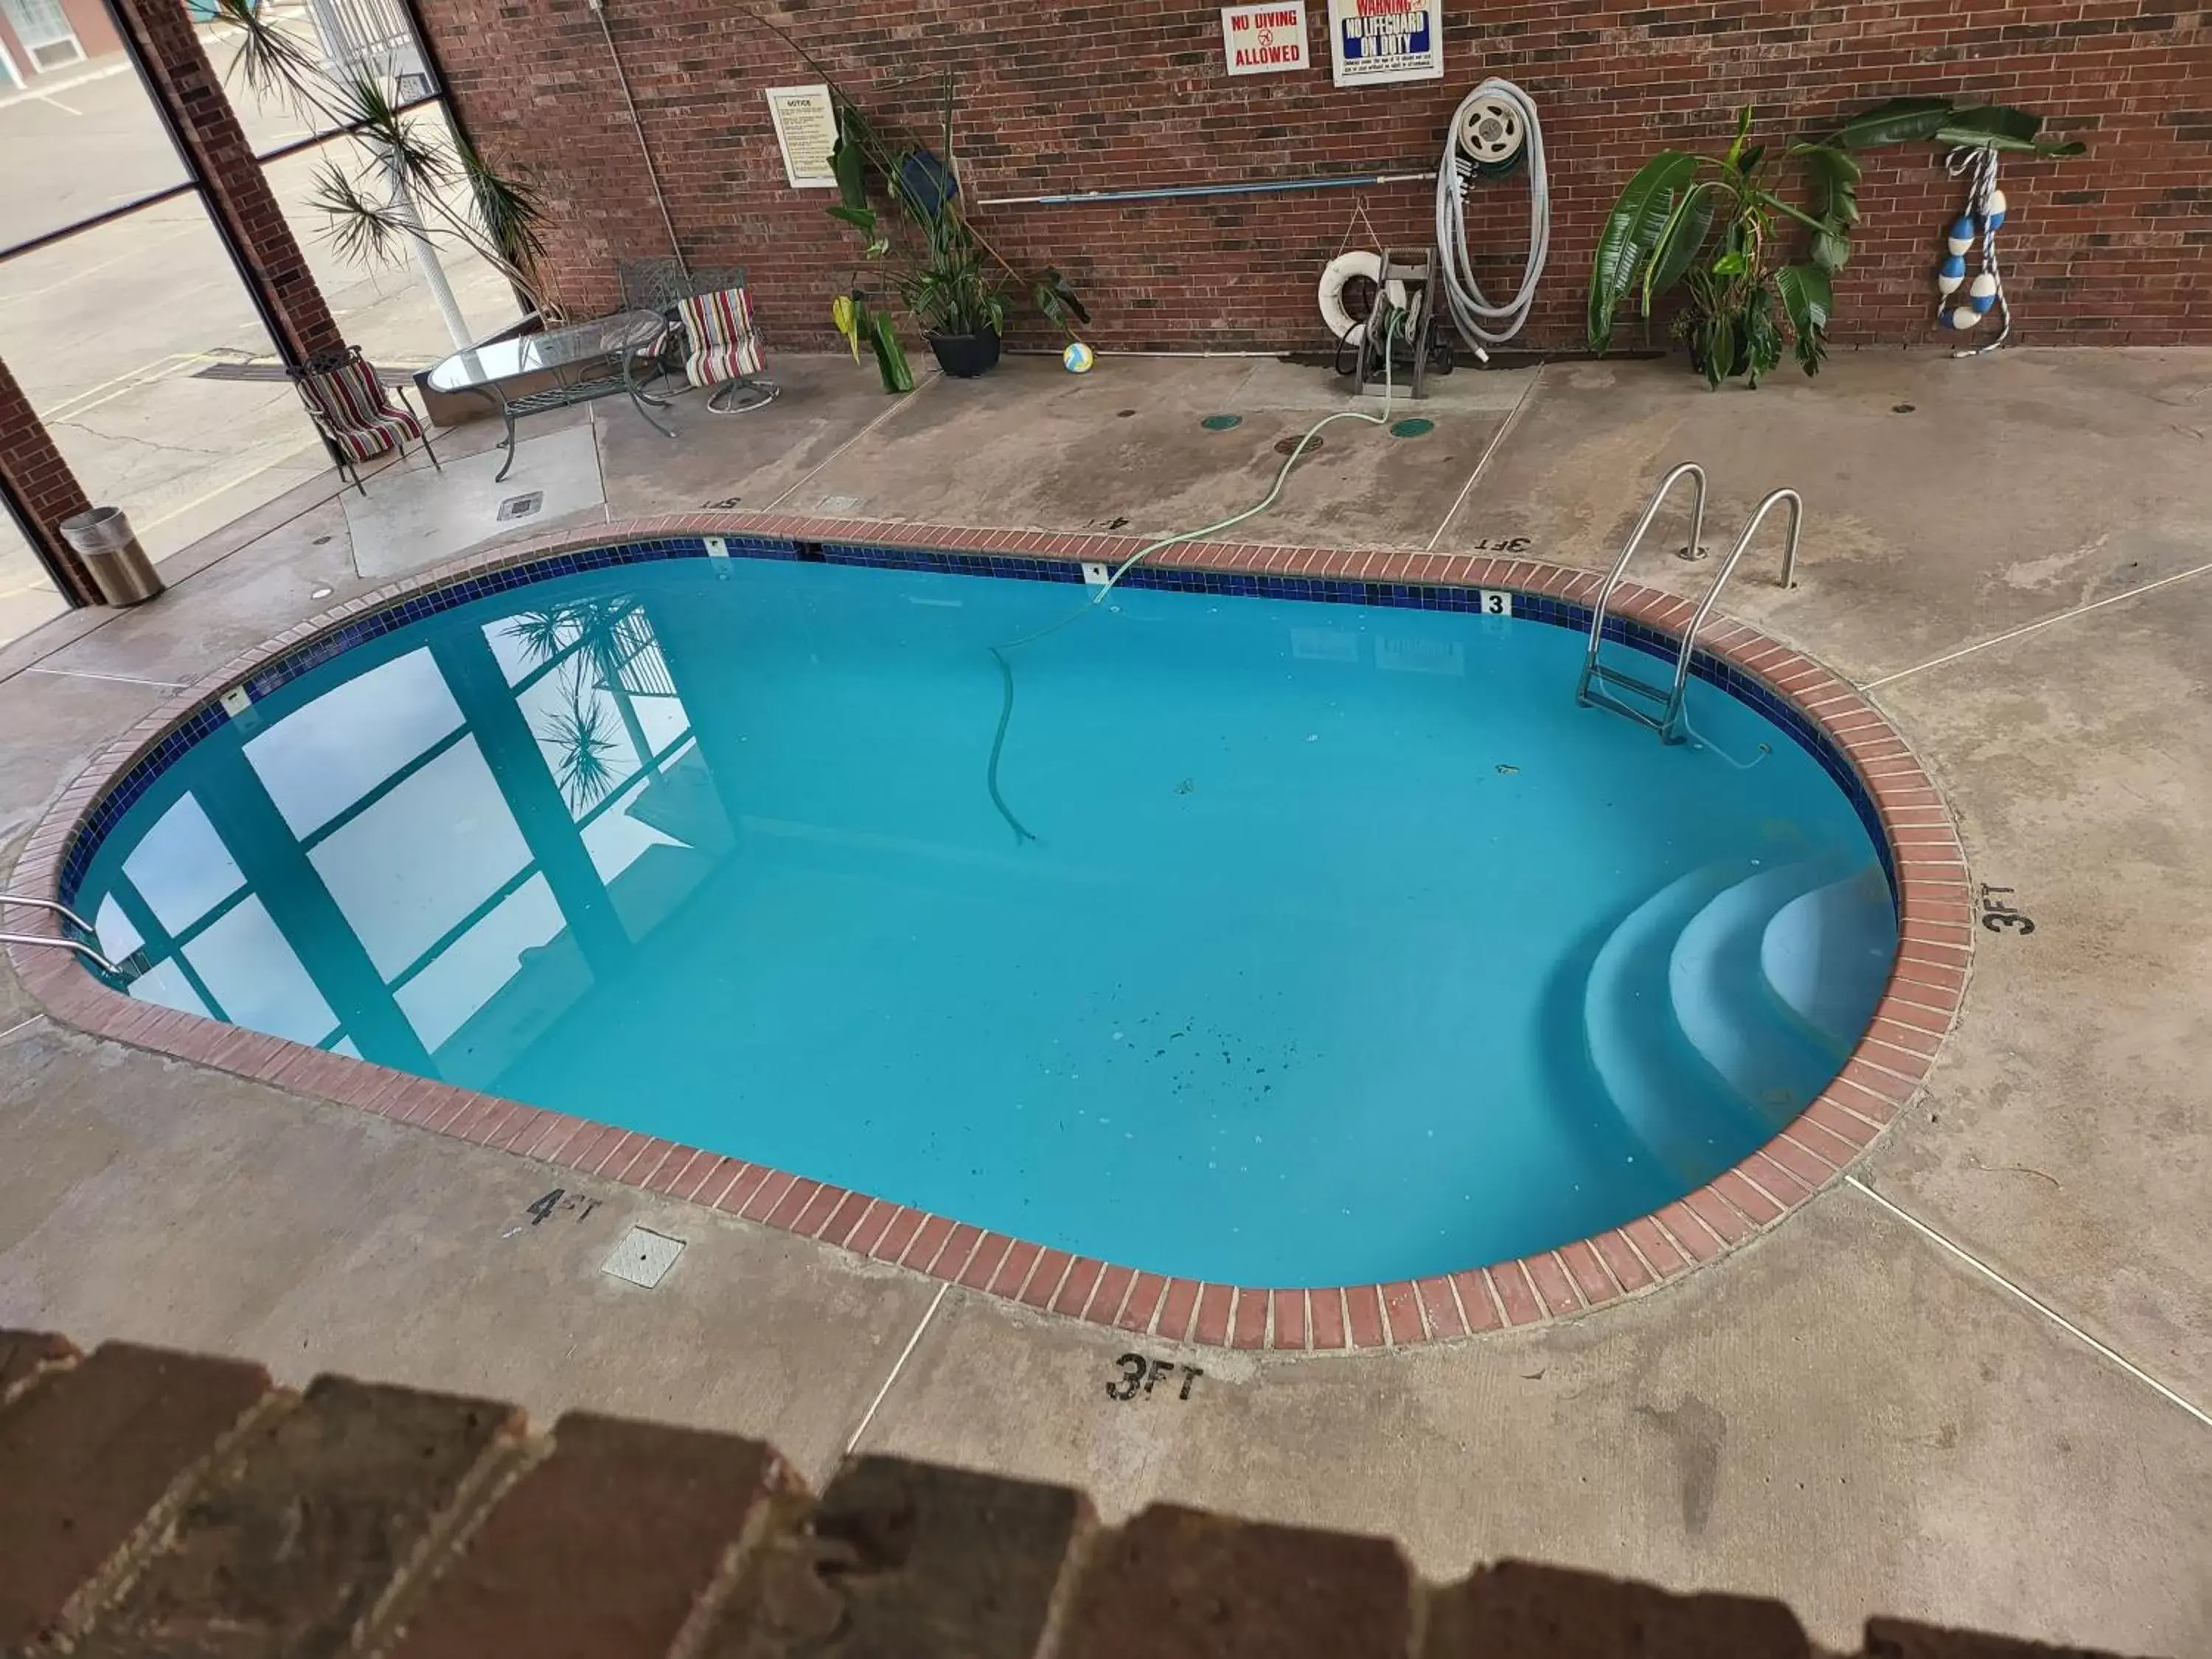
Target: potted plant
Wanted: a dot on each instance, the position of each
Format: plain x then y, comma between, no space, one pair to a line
1712,226
955,298
954,282
950,280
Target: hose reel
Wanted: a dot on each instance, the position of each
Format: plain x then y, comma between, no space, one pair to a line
1491,134
1400,331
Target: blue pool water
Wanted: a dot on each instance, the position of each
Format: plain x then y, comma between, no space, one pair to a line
1348,947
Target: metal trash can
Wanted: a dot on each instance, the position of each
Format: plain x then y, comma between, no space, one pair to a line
119,567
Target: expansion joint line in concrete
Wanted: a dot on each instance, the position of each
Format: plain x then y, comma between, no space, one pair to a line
800,481
1497,438
118,679
905,1354
2032,1301
2030,628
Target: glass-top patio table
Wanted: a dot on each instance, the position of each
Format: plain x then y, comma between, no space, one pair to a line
596,359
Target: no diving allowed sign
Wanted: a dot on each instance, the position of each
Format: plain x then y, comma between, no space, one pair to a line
1374,42
1264,40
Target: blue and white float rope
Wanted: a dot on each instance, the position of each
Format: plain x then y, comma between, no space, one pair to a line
1985,211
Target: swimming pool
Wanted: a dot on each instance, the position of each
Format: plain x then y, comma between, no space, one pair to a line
1345,949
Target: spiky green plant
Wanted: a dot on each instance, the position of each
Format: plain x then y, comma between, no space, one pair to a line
406,169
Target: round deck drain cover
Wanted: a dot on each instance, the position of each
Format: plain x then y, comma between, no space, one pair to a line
1412,426
1289,446
1221,423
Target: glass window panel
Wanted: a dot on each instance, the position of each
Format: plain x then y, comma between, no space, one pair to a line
581,734
326,755
411,867
390,310
332,43
469,972
27,594
181,868
249,968
510,644
122,337
75,154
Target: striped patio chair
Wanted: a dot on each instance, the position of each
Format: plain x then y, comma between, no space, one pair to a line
725,350
351,407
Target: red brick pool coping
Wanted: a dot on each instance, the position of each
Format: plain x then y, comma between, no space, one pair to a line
1883,1075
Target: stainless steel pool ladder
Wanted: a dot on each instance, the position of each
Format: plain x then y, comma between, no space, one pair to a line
1598,683
125,970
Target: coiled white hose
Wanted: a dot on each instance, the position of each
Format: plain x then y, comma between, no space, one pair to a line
1482,324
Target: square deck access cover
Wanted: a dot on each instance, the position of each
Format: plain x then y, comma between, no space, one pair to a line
643,1257
520,506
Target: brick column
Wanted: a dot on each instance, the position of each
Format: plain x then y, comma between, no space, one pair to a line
40,482
188,93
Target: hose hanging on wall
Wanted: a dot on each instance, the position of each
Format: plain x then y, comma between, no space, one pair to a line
1494,129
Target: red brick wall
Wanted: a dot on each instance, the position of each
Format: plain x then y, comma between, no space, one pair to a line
2109,249
40,482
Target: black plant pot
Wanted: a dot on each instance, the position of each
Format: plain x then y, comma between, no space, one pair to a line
1740,367
965,356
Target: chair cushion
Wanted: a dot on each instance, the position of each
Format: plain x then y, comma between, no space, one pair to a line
348,400
362,443
725,343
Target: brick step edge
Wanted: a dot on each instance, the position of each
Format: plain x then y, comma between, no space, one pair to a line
159,1502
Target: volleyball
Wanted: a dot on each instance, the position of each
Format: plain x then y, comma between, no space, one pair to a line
1078,358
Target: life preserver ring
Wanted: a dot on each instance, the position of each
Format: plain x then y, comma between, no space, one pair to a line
1344,269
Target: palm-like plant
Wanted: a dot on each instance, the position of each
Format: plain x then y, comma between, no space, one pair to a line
609,634
606,636
582,734
398,191
1711,224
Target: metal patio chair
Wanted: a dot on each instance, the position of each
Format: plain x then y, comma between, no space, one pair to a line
351,407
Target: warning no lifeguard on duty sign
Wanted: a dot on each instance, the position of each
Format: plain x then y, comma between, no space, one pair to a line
1376,41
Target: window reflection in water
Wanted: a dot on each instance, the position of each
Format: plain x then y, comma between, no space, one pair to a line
431,862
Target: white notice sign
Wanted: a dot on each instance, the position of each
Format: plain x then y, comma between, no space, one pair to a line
806,127
1376,41
1264,40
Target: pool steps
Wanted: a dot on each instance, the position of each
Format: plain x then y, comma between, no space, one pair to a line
1720,1005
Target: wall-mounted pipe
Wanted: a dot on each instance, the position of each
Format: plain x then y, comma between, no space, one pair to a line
1186,192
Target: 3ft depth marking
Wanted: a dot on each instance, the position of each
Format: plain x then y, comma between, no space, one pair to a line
1140,1375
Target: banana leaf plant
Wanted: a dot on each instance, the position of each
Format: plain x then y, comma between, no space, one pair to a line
410,181
1711,227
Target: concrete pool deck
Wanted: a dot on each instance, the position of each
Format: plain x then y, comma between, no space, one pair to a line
1848,1412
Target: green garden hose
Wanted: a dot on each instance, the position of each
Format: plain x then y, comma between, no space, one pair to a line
1393,323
